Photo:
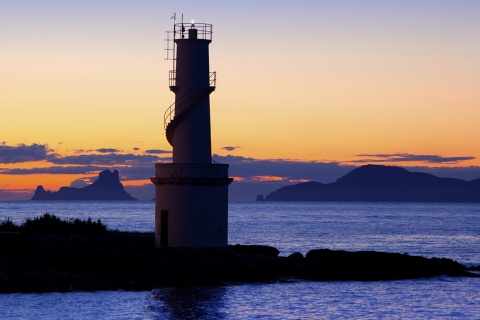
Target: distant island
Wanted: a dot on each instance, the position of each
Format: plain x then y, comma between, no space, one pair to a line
376,183
106,187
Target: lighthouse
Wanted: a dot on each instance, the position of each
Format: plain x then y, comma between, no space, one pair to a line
191,192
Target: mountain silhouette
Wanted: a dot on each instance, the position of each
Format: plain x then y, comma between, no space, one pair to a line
375,183
106,187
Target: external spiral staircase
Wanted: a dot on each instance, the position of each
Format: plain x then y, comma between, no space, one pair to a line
172,120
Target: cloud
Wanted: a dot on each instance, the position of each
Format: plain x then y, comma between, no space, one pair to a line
230,148
408,157
23,153
110,159
288,170
79,183
157,151
252,176
53,170
80,151
138,172
268,178
234,159
136,149
107,150
134,172
131,166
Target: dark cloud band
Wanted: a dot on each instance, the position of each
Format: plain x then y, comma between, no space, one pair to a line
157,151
23,153
408,157
230,148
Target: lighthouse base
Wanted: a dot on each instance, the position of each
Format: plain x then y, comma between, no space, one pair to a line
191,205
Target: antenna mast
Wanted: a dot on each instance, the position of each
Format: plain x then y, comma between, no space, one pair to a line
174,21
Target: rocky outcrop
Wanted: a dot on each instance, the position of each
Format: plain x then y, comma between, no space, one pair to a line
374,183
106,187
128,261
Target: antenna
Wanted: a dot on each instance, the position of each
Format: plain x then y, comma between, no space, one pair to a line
174,30
183,28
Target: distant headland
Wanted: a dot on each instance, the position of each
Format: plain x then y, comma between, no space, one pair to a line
106,187
375,183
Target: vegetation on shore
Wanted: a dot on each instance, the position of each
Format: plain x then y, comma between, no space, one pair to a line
51,224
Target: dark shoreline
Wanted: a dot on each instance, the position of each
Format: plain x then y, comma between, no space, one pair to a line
128,261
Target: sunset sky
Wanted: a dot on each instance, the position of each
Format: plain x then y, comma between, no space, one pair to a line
306,90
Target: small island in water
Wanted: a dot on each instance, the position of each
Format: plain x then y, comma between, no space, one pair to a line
106,187
376,183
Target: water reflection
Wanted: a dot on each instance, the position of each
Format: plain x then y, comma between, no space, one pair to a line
189,303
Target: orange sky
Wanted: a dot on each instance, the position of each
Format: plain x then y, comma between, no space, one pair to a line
305,80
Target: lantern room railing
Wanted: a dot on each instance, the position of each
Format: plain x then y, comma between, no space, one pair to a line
202,31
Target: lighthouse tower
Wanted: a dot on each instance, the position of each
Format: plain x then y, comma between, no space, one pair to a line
191,193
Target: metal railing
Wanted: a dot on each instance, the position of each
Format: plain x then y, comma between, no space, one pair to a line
203,31
212,79
187,97
175,118
172,78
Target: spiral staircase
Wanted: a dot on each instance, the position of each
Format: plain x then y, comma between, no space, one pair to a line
171,119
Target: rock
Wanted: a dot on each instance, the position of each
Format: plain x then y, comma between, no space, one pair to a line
129,261
260,198
325,264
296,257
106,187
255,249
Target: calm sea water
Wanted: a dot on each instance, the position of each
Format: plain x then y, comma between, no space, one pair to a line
440,230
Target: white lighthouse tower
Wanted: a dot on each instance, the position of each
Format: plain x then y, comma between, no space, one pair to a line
191,193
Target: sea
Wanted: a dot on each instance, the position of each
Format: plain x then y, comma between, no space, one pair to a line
426,229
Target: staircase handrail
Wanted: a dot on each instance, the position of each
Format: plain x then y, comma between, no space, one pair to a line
170,112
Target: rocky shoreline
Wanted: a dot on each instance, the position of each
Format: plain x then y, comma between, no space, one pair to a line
128,261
